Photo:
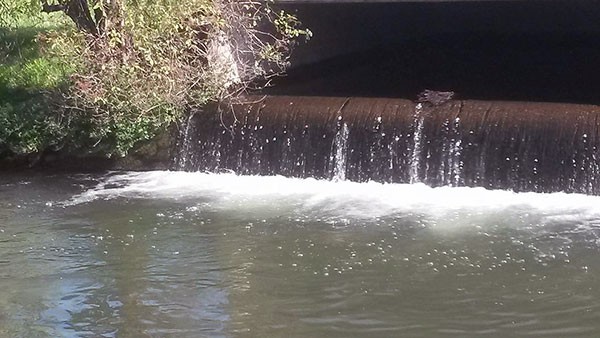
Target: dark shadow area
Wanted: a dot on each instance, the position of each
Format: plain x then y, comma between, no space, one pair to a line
534,51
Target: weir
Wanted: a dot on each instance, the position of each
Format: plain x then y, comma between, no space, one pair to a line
348,110
523,146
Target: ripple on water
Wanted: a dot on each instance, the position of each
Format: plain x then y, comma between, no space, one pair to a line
188,254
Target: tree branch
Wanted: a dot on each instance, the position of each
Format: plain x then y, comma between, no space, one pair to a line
77,10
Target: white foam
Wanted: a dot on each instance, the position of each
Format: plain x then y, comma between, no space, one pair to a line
342,198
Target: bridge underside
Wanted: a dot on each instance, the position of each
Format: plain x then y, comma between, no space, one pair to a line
491,50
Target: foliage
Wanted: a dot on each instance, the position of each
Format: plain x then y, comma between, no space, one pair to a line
27,79
127,69
27,127
21,13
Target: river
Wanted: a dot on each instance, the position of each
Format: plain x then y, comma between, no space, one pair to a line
155,254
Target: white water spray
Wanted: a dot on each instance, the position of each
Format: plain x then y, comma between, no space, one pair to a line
345,199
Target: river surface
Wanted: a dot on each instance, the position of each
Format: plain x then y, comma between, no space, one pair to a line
174,254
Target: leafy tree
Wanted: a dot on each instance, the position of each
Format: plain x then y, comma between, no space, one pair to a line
137,66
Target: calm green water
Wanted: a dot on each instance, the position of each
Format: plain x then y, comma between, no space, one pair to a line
164,254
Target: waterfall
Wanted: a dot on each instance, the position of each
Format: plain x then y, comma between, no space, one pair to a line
453,149
184,149
417,145
340,153
542,147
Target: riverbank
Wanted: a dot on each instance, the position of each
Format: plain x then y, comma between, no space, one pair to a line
153,154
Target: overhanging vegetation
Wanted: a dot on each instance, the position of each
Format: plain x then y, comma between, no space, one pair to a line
118,72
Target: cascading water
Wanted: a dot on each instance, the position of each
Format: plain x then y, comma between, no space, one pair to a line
184,148
539,147
453,147
339,156
417,146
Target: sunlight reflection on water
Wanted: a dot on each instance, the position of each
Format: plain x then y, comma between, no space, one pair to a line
219,255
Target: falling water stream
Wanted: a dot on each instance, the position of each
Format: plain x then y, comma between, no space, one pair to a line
340,159
417,146
186,146
192,254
